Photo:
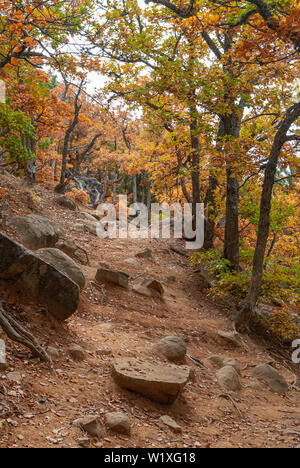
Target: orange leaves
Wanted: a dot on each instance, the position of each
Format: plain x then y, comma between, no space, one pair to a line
3,192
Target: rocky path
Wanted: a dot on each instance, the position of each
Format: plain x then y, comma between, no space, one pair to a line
222,405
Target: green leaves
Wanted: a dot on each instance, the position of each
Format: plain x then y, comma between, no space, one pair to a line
16,128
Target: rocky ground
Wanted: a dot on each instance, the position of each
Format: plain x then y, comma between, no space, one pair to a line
227,402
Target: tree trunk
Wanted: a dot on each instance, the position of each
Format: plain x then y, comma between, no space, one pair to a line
231,127
149,198
231,247
210,205
134,189
244,317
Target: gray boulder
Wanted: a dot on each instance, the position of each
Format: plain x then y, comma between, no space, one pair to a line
91,425
119,278
63,263
34,231
173,348
38,279
271,377
118,422
232,338
66,202
149,288
228,379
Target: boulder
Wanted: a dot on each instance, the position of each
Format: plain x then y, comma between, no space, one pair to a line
62,262
271,377
77,353
145,254
232,338
228,379
68,247
91,226
119,278
35,232
3,362
66,202
173,348
91,425
133,263
168,421
118,422
162,383
233,363
15,377
38,279
214,361
149,288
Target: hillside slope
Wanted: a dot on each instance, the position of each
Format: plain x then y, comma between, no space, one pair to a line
39,410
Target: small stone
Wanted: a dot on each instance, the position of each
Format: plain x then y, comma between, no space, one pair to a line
271,377
53,353
214,361
68,247
167,421
233,363
145,254
91,425
149,288
66,202
3,363
173,348
15,377
228,379
111,276
231,337
77,353
84,442
118,422
133,263
79,227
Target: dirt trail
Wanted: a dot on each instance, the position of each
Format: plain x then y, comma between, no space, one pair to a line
39,412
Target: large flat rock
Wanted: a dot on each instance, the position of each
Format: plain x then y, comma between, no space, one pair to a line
159,382
38,279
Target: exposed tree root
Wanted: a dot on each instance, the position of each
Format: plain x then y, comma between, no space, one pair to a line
86,254
228,397
18,334
179,251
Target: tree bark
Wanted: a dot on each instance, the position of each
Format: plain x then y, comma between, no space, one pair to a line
246,314
231,129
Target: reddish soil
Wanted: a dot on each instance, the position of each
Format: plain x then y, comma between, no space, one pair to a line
39,412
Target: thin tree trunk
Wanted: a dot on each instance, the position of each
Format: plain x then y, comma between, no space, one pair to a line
232,128
134,188
210,205
244,317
